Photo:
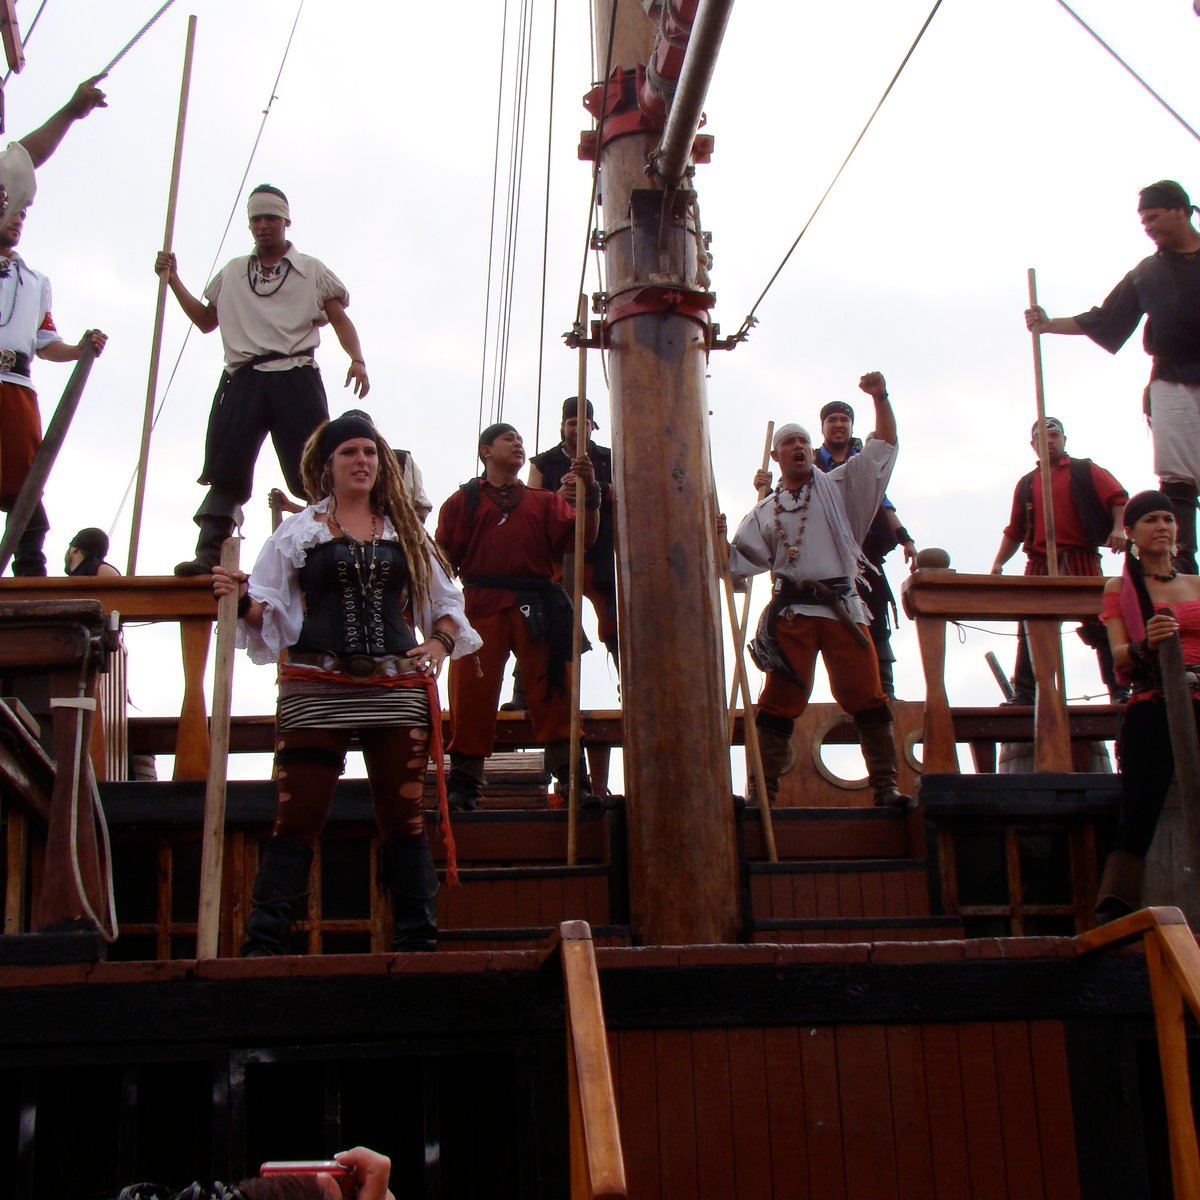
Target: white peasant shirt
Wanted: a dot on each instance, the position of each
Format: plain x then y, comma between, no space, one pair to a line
275,583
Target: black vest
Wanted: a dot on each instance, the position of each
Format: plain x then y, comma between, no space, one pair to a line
338,617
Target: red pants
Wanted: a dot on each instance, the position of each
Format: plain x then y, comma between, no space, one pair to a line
853,668
20,436
474,697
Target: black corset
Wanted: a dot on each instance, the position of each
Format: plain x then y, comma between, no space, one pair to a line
340,617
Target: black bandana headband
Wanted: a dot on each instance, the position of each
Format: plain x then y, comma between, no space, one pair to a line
348,425
1166,193
1144,503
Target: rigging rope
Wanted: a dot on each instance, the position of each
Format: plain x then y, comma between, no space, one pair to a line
225,234
537,409
137,37
744,332
487,299
1130,69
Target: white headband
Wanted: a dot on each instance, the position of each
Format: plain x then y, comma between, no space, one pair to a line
786,431
267,204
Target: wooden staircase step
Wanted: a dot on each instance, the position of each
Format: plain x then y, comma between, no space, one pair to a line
807,833
527,897
841,930
847,888
533,938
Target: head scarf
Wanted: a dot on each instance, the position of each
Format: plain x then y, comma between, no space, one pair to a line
571,409
1166,193
1051,423
266,201
352,424
492,432
837,406
787,431
1136,606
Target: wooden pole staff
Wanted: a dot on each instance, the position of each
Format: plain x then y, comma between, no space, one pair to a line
1182,725
752,747
212,852
139,496
742,626
581,436
43,461
1043,441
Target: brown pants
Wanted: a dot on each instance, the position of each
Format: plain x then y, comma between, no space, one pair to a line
474,697
853,668
603,600
309,762
20,436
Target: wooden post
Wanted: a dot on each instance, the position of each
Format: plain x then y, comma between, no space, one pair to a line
1182,724
742,625
139,495
581,440
212,851
683,882
1043,442
43,462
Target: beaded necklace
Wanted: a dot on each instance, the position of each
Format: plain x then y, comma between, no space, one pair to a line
364,571
256,273
6,268
803,497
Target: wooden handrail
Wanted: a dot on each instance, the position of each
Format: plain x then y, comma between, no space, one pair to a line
597,1162
933,596
1173,965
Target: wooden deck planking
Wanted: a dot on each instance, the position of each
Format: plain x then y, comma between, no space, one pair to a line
1055,1118
947,1121
866,1103
1018,1110
910,1113
850,895
981,1107
822,1114
785,1099
751,1113
551,900
637,1104
677,1152
872,894
716,1154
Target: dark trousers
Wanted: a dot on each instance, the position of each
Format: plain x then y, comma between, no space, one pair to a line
1147,765
248,405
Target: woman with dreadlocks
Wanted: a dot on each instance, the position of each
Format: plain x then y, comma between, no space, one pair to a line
341,586
1150,603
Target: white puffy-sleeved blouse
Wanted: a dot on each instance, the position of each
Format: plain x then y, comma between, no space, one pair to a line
274,581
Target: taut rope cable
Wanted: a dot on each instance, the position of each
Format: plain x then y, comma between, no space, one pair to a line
537,410
487,300
212,265
516,174
750,320
1130,69
137,37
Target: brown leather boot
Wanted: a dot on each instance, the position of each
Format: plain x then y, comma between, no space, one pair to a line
778,758
1120,891
879,752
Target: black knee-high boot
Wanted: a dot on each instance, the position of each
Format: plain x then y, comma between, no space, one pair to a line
409,877
1183,502
281,884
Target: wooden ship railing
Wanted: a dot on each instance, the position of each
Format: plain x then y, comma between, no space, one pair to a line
1173,965
597,1162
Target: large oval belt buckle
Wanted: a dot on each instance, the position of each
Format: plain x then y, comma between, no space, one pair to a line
360,666
8,360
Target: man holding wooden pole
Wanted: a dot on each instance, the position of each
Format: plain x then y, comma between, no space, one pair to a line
501,538
269,306
807,534
28,332
1089,507
1165,288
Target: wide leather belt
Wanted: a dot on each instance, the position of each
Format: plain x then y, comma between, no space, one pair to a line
357,666
819,591
13,362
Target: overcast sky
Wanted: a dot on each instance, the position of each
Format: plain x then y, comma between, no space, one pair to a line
1011,140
